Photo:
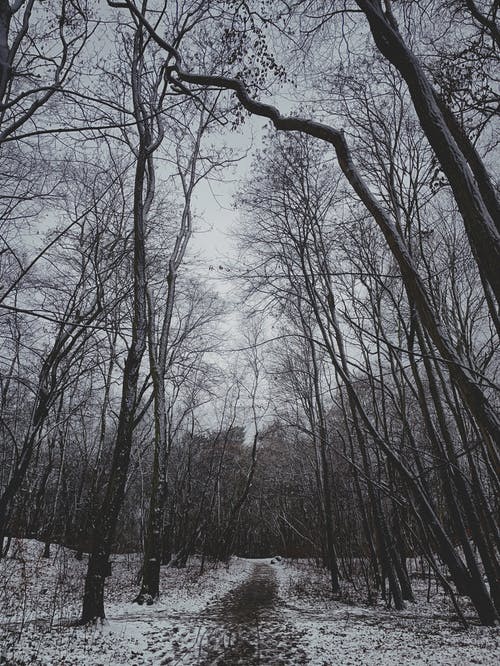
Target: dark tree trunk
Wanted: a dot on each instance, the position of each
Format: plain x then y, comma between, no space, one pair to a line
106,519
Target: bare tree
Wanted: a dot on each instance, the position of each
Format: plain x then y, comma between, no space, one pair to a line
471,197
150,134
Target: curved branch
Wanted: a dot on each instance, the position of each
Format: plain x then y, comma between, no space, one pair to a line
471,392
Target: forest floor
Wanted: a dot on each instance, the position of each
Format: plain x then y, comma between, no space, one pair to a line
249,612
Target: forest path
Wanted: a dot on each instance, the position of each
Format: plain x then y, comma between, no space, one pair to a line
246,626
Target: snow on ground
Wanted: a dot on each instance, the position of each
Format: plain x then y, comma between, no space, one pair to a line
40,597
338,633
250,612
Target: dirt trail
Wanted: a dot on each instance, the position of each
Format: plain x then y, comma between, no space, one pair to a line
246,627
252,598
252,629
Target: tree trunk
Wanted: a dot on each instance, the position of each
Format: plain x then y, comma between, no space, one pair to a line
106,520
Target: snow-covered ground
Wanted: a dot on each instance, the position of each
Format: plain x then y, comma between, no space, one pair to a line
251,612
341,634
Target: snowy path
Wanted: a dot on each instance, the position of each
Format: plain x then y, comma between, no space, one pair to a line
246,626
255,622
246,612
